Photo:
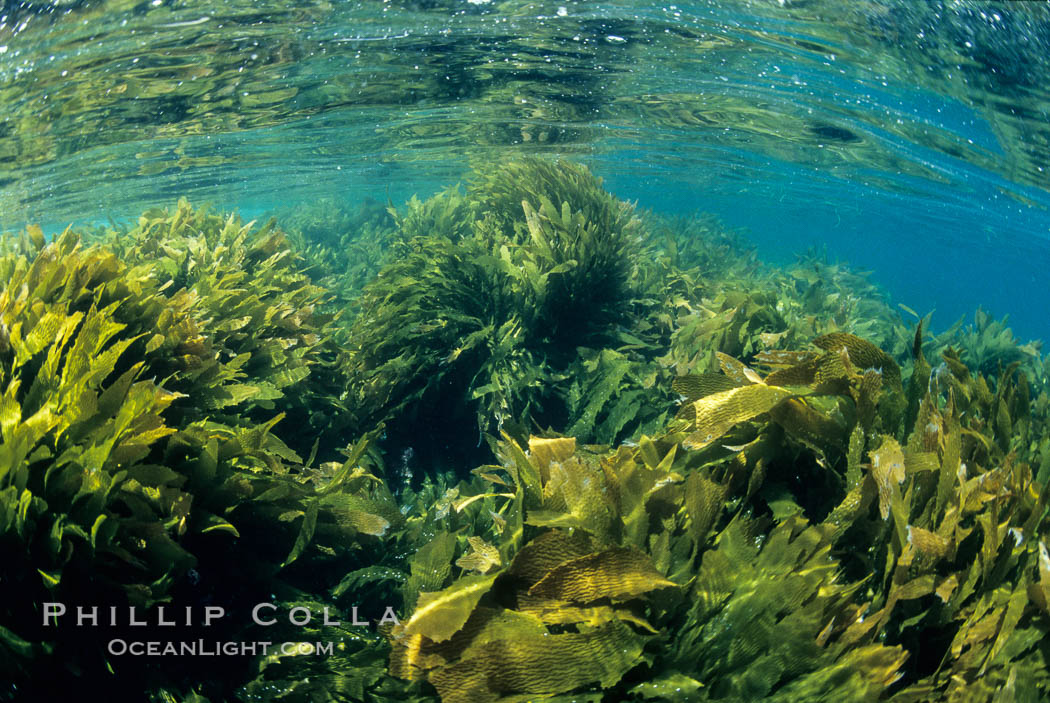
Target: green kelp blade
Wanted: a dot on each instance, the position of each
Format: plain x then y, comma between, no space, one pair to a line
842,517
811,426
919,382
928,543
717,413
213,523
352,460
36,236
306,533
781,358
670,687
526,476
415,657
704,500
1039,591
546,552
888,470
538,664
544,452
14,644
555,612
483,557
616,574
369,516
803,373
736,370
863,354
366,576
697,386
861,674
441,614
429,567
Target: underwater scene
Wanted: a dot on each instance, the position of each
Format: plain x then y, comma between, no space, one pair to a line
477,351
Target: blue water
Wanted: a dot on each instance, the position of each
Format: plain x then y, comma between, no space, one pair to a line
904,138
930,252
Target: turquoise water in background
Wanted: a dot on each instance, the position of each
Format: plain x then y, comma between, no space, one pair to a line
909,139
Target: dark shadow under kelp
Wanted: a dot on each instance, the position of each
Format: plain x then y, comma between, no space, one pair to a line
768,486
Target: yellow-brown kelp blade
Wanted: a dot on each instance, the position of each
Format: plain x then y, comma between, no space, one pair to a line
713,415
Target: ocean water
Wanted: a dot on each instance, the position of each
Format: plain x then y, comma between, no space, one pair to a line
909,139
716,436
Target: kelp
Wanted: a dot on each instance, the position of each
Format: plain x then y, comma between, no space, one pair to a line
262,312
826,600
113,495
328,223
502,190
491,296
703,244
88,510
938,509
540,300
610,528
988,344
835,507
765,620
356,671
449,214
845,299
438,331
612,394
573,238
469,648
342,246
762,309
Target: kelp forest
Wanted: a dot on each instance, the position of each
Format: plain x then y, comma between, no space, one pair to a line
517,441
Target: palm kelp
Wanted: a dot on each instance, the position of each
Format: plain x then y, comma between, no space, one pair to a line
133,473
556,449
265,317
989,344
703,553
486,309
343,248
98,485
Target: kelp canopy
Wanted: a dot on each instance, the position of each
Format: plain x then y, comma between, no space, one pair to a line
582,451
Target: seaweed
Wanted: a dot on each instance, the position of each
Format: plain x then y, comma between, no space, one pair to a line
342,247
762,602
768,487
262,315
487,309
112,494
89,507
989,344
